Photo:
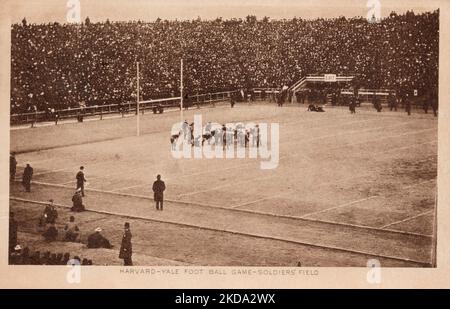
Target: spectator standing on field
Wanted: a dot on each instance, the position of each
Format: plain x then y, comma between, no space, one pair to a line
158,189
26,178
126,248
81,180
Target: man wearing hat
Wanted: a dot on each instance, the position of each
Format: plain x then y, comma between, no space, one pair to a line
26,178
81,180
126,248
96,240
158,189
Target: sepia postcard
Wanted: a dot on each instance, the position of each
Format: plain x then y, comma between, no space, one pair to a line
224,144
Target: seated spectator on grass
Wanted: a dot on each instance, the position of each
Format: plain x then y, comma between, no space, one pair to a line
66,258
72,231
16,255
96,240
45,258
77,200
53,259
51,233
49,216
59,258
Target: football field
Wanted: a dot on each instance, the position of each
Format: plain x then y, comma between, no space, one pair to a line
348,188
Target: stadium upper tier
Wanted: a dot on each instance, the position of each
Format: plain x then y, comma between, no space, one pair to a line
60,65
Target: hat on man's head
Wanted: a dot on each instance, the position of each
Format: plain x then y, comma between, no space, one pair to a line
127,225
98,229
51,200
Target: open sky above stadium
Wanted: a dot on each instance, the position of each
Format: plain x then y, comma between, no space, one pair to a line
149,10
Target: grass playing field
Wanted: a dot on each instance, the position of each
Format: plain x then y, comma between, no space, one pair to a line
348,188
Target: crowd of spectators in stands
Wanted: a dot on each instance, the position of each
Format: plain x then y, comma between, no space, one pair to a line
60,65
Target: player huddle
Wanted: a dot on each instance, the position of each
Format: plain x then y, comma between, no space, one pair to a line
223,135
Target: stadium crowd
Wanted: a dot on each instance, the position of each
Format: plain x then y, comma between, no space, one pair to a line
60,65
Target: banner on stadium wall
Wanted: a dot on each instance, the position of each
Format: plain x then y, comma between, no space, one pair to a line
330,78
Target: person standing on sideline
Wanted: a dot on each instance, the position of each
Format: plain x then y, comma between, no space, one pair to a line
126,248
26,178
81,180
158,189
12,166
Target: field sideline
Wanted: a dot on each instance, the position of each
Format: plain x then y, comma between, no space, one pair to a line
359,186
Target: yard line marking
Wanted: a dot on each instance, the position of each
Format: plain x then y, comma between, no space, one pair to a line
340,206
300,242
50,172
353,144
294,192
36,162
357,131
260,200
408,219
132,187
320,127
365,227
248,211
227,185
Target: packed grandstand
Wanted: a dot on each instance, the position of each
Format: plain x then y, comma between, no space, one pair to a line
60,65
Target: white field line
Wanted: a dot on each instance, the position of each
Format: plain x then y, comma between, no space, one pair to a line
239,166
261,200
340,206
293,155
242,233
243,211
407,219
358,131
228,185
368,141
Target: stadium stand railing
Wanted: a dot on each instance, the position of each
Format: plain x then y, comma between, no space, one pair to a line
129,107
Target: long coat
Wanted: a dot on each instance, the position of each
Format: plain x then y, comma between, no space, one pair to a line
27,175
158,189
126,248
